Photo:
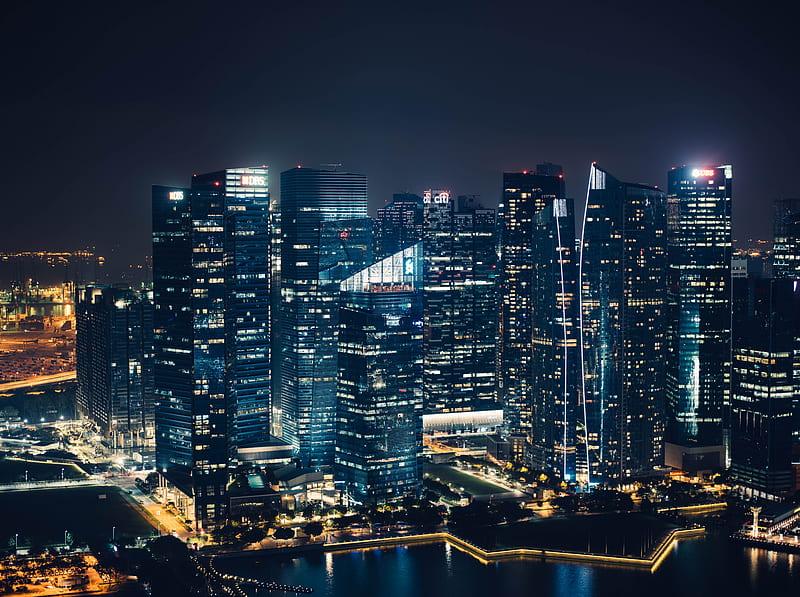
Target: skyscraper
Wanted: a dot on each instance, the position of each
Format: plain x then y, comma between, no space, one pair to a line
398,225
555,334
459,303
699,307
114,363
379,396
623,329
327,236
211,282
525,194
786,239
765,380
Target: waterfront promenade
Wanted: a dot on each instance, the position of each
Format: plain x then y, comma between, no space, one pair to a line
650,561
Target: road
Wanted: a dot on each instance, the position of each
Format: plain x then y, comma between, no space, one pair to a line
37,381
165,521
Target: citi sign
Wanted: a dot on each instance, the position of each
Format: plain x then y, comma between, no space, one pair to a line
250,180
698,172
439,197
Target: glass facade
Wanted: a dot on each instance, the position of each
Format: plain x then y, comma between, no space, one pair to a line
326,237
398,225
525,194
379,391
623,287
211,277
699,304
114,364
459,304
786,239
554,347
765,380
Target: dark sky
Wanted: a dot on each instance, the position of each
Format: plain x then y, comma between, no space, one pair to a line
101,100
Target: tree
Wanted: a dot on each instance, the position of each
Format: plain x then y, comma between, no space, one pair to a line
253,535
283,533
224,534
168,547
312,529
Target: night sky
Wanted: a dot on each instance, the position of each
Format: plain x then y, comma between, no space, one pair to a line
101,100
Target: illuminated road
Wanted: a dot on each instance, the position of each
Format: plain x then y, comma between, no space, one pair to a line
164,520
37,381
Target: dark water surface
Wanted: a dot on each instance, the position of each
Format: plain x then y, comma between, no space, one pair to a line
708,567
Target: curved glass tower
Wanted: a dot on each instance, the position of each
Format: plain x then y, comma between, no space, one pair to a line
623,327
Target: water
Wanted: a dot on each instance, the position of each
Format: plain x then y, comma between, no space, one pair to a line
704,567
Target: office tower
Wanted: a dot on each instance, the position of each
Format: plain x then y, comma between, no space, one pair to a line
623,329
764,383
327,236
459,304
211,282
275,320
524,195
554,332
699,315
398,225
114,362
786,239
379,395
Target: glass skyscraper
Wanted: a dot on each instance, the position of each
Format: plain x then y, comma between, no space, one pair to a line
398,225
765,380
326,237
786,239
699,307
525,194
114,363
623,288
459,303
211,282
379,394
554,347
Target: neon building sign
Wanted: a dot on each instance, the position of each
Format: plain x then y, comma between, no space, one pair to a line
250,180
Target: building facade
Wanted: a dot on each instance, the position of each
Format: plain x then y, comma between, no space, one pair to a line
379,394
114,364
555,335
459,303
786,239
398,224
525,194
211,284
699,316
623,325
765,382
326,237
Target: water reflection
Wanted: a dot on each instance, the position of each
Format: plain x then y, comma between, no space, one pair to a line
711,566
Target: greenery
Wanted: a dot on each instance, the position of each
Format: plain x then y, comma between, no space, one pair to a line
283,533
313,529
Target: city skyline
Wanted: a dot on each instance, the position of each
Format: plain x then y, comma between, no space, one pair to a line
360,298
